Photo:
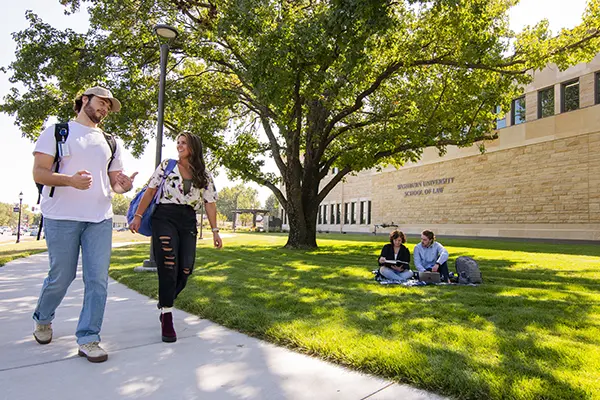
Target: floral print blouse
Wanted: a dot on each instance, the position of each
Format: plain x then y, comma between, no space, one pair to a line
173,189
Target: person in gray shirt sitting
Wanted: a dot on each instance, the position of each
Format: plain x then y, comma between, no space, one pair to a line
430,255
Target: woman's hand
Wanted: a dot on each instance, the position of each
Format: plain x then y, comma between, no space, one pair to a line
135,224
217,240
381,260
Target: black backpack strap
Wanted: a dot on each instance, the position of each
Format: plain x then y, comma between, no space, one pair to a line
61,132
40,227
112,143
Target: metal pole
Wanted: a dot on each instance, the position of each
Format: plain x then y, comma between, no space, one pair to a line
164,52
150,264
19,224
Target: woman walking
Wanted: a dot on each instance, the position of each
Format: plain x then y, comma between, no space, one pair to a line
174,229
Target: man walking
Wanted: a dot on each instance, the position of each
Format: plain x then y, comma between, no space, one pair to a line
78,215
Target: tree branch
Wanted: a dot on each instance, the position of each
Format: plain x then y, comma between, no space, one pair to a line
262,181
275,150
332,183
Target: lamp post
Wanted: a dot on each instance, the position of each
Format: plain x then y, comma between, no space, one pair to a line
166,34
19,224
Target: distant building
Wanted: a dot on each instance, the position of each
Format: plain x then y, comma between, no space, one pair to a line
119,221
539,179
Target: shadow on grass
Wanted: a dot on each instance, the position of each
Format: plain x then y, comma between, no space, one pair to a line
469,342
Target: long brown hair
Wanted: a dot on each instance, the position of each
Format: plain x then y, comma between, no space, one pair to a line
196,159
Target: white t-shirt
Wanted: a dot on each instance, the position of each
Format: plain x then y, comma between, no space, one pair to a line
88,150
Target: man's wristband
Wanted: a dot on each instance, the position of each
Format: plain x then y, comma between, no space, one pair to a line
138,215
215,230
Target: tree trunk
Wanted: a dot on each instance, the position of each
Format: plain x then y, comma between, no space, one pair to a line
302,235
302,218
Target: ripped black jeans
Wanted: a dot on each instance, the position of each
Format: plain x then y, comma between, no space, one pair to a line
174,235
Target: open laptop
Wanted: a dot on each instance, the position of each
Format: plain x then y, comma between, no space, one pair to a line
431,277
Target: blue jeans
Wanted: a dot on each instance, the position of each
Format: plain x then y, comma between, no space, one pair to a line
64,238
392,274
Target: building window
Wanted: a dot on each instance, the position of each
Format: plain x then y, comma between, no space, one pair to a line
569,96
501,118
353,213
369,213
546,102
320,217
597,85
518,111
332,214
346,213
324,213
337,213
362,214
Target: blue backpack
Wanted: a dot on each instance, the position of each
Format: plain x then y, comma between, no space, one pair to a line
146,225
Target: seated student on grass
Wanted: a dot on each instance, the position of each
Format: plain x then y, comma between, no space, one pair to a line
430,255
394,258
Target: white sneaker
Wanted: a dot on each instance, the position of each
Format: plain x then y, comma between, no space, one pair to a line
43,333
93,352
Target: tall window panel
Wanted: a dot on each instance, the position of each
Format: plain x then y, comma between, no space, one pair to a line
500,118
346,213
369,213
324,213
569,94
320,217
518,111
362,213
546,102
338,208
332,214
597,88
353,213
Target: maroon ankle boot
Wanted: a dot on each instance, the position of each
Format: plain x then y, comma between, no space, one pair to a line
168,332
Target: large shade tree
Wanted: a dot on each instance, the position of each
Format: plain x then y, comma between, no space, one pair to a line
311,84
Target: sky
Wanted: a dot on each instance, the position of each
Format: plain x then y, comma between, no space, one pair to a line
16,152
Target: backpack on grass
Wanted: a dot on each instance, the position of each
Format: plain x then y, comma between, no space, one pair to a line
146,225
468,271
61,133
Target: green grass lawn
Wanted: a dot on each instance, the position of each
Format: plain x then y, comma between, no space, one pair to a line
29,245
531,331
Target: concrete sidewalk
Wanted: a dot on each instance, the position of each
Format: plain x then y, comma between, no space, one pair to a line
207,361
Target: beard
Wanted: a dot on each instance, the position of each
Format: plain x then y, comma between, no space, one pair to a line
94,116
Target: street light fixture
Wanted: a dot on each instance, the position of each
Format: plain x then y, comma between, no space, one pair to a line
166,34
165,31
19,224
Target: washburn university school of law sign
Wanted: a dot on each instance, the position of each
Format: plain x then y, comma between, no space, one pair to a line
433,186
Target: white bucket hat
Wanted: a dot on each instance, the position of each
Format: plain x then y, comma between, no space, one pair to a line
105,94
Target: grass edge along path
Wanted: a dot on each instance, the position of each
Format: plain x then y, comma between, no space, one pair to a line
10,251
531,331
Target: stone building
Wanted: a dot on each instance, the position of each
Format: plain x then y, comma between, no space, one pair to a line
539,179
